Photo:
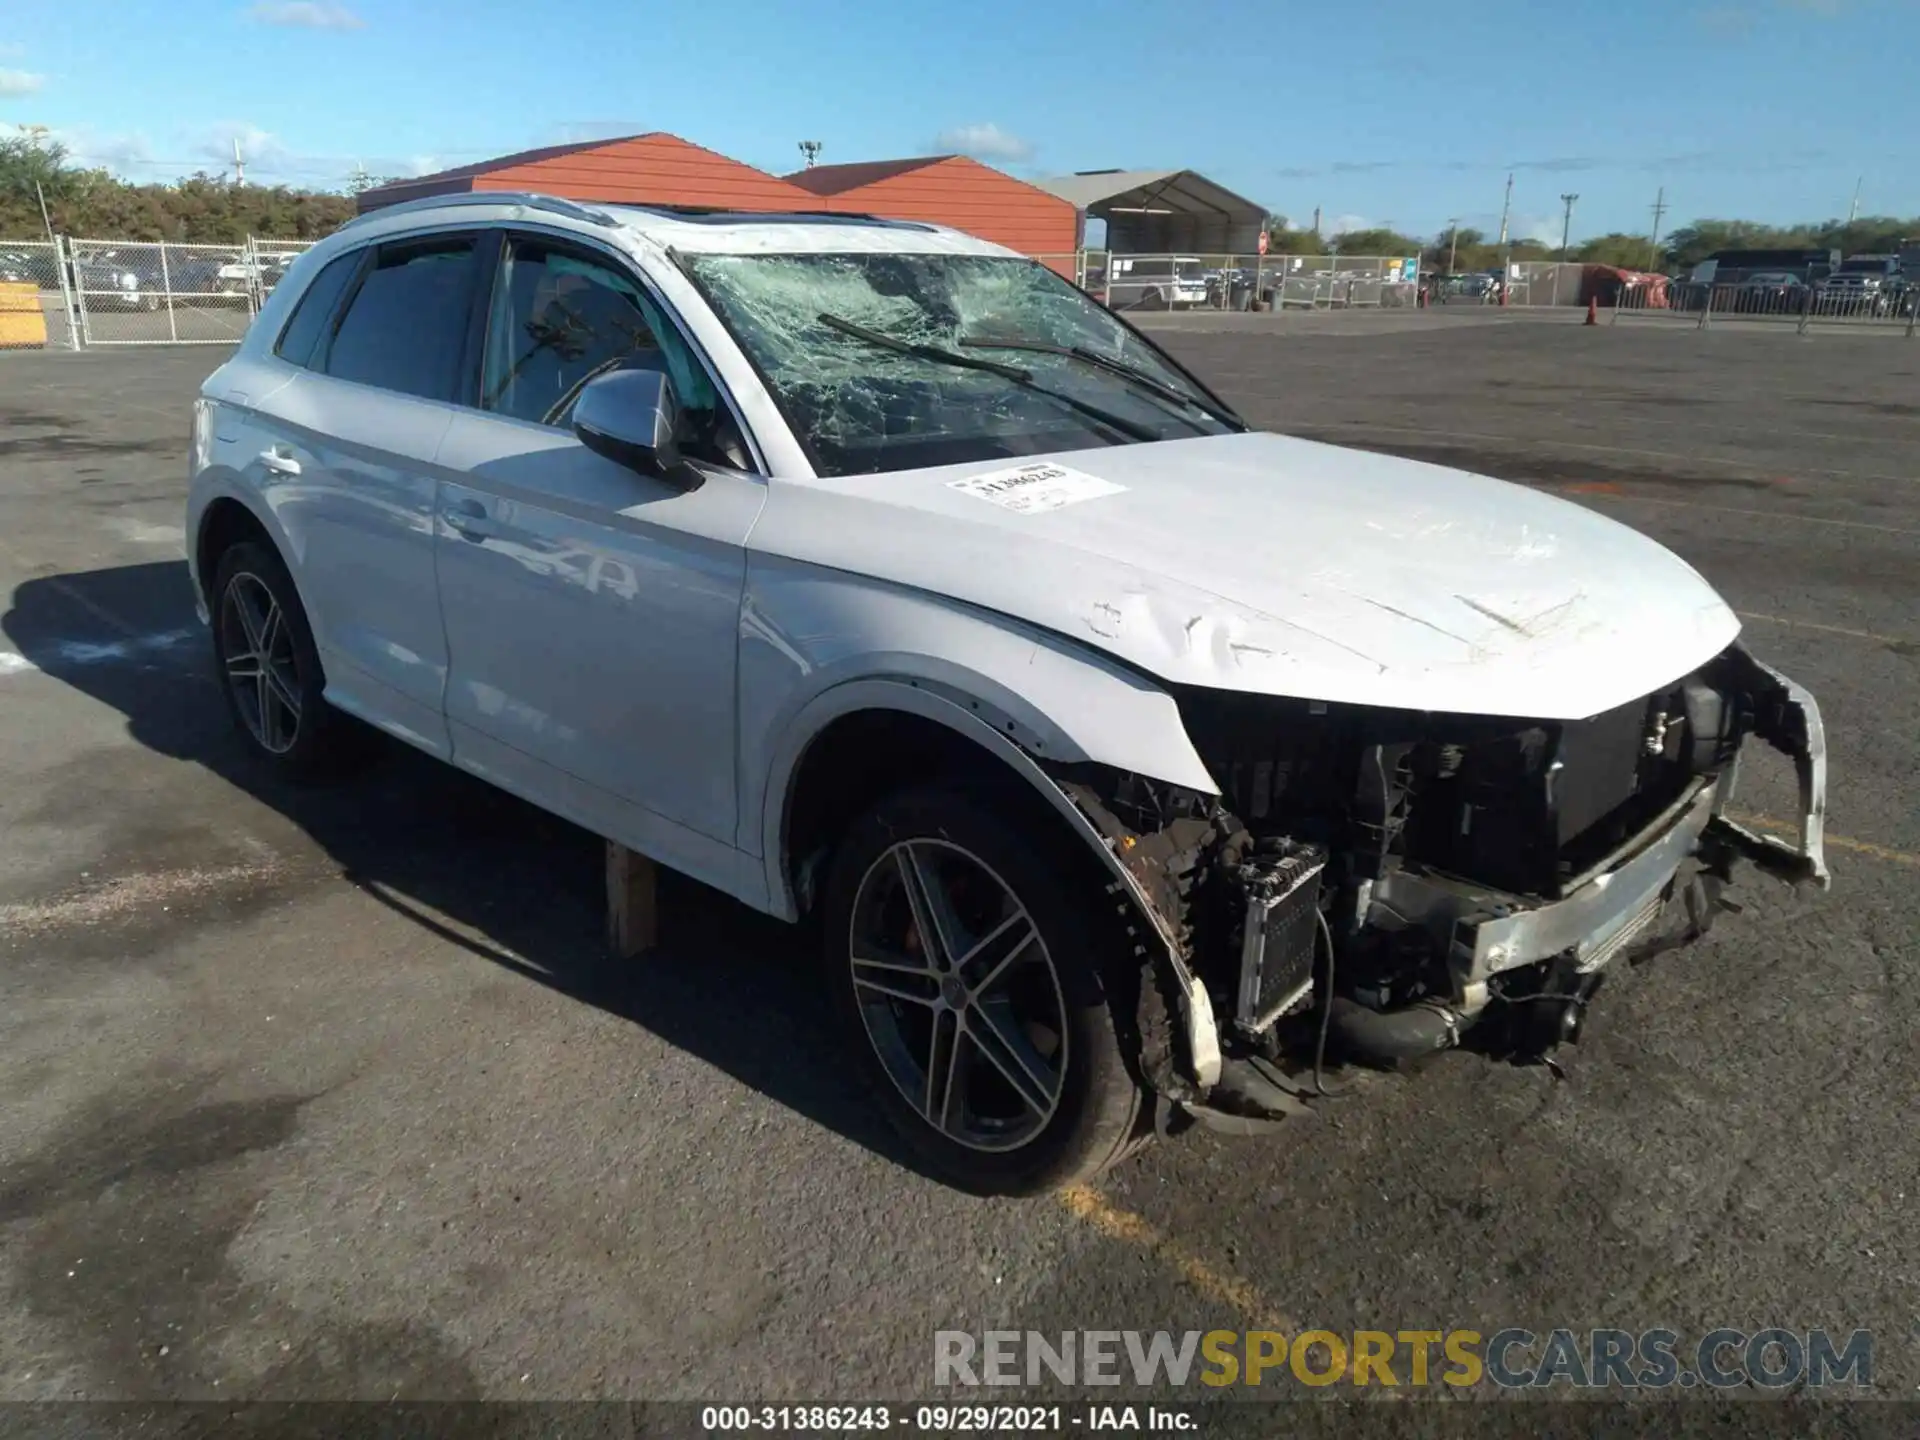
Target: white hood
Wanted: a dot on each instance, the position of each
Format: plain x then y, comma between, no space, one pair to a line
1272,565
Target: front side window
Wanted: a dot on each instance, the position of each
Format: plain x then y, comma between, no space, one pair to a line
886,362
560,317
405,328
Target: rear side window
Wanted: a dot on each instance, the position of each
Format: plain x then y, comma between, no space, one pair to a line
406,326
314,310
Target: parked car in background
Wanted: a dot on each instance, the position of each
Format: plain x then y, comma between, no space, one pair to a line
128,278
1770,292
1130,761
20,267
1156,282
1865,285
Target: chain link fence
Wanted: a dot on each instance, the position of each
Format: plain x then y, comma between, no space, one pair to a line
1247,282
160,293
69,293
36,303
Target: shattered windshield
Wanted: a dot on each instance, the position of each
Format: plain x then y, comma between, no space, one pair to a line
887,362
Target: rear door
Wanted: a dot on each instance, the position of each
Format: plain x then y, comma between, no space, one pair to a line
347,461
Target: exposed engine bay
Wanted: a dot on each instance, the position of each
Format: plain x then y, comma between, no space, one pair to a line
1380,885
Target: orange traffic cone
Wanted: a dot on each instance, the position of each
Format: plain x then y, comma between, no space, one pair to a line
1593,310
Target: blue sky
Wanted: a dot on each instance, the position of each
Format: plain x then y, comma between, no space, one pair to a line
1376,113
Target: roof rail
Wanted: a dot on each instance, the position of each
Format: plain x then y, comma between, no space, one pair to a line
573,210
705,216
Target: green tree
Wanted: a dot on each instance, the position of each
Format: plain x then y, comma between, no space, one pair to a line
31,162
199,208
1629,252
1295,242
1464,249
1376,241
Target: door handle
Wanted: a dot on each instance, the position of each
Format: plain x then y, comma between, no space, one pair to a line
469,520
279,460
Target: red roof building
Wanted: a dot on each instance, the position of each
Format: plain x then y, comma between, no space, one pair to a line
664,170
653,169
950,190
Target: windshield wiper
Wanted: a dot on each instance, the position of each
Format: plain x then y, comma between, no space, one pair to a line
1138,378
1023,378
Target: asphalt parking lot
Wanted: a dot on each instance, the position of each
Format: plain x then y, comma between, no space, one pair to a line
331,1095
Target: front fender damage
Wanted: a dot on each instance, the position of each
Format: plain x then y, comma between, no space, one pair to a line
1161,866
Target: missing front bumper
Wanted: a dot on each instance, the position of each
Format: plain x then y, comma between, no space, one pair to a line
1486,933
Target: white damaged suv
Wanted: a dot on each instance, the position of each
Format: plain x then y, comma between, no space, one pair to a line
1132,763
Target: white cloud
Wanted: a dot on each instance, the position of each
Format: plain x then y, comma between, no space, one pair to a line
306,14
20,82
1541,229
984,142
129,155
1342,224
259,149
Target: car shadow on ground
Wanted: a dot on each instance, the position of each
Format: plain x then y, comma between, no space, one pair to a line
467,862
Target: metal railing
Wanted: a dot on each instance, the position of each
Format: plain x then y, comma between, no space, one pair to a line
1798,304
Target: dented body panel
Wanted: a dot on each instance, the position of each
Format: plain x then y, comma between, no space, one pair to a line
1276,566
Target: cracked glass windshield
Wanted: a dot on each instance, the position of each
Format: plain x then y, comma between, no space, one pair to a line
892,361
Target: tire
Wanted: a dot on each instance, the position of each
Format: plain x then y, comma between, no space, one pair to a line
1068,1012
303,736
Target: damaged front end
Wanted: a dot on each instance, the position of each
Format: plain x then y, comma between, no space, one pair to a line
1385,884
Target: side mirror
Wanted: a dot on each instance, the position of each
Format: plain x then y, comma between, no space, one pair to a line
633,418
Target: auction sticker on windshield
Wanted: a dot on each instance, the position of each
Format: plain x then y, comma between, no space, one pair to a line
1028,489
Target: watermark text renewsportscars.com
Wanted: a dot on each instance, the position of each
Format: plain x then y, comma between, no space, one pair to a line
1602,1359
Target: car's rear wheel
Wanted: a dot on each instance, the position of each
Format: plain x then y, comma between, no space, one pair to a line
269,666
969,962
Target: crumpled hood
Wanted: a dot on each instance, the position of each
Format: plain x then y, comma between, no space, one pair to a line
1262,563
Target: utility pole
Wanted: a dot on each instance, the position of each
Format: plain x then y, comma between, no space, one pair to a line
1659,212
45,218
239,165
1453,241
1506,254
1566,225
1853,210
811,150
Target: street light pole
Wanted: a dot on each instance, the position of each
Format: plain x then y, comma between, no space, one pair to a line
1453,241
1566,224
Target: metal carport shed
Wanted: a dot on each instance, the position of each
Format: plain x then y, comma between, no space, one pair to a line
1163,212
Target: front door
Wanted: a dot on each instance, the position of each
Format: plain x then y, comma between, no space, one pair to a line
592,613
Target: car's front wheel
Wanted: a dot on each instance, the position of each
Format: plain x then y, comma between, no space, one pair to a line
974,968
269,666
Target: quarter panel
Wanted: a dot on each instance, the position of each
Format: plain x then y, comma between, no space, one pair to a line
805,631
